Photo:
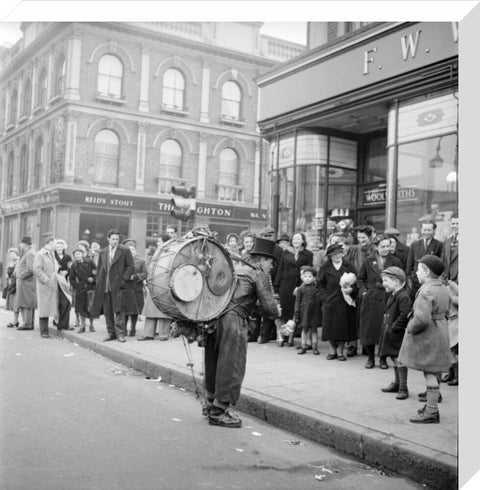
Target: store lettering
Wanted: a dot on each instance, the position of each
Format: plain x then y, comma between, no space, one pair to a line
211,211
110,202
409,45
379,196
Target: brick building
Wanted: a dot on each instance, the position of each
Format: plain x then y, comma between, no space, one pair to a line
99,120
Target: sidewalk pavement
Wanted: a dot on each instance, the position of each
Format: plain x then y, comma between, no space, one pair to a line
338,404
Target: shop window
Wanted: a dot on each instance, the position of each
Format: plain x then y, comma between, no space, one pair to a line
96,226
231,101
27,97
28,223
376,160
13,108
60,68
427,184
10,175
106,158
46,221
110,77
23,174
10,238
38,164
173,94
170,173
42,89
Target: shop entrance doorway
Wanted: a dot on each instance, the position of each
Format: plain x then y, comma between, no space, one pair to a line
373,216
97,225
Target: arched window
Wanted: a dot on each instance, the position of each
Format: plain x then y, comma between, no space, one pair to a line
13,108
106,158
23,174
171,159
231,101
173,89
27,97
10,175
42,89
228,174
38,164
60,75
110,77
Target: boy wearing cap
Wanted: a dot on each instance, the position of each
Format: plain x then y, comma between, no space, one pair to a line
395,319
425,346
307,309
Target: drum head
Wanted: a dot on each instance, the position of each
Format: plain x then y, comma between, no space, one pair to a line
186,282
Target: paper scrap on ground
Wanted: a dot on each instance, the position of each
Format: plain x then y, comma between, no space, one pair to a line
239,450
257,434
320,477
69,355
176,420
294,442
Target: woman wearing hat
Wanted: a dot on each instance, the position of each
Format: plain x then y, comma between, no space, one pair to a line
372,295
425,346
338,322
11,287
232,244
287,277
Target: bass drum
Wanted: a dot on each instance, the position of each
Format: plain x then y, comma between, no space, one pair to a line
191,279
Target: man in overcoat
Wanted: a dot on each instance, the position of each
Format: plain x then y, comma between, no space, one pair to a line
135,298
26,287
425,345
426,245
450,252
45,268
115,267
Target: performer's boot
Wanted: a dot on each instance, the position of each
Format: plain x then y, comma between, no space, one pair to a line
393,386
402,386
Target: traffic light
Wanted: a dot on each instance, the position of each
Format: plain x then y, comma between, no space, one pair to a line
184,204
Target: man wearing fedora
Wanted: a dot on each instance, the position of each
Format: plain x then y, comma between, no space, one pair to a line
27,295
226,345
115,268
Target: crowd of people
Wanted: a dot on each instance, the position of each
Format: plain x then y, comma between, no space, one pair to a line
369,294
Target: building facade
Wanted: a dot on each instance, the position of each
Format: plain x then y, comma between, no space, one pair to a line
372,137
99,120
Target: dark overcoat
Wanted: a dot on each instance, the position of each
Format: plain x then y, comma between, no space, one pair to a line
134,293
395,319
401,253
450,259
287,279
26,282
121,269
80,273
338,318
373,297
308,307
425,346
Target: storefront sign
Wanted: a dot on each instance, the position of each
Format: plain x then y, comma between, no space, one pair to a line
378,195
29,203
137,203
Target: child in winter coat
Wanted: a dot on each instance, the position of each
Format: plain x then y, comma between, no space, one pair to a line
425,346
395,319
307,309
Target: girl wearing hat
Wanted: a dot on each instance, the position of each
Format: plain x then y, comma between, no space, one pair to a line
11,287
232,244
338,321
425,346
395,318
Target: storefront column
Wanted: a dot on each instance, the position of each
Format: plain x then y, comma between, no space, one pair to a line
7,107
256,180
70,147
141,146
72,90
138,230
205,94
202,165
392,155
19,100
144,79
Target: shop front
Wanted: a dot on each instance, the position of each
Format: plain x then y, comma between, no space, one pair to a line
73,214
372,137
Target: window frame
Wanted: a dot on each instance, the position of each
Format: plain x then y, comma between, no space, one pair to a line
116,94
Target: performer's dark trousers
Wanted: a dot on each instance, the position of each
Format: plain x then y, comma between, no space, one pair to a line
115,321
